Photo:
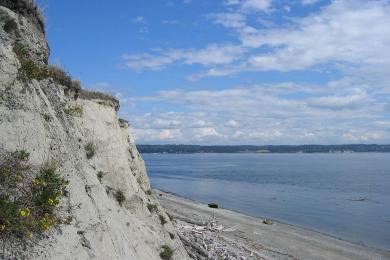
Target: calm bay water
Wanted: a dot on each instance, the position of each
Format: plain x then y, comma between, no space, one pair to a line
344,195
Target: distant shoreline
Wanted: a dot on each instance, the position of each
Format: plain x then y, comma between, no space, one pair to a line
264,149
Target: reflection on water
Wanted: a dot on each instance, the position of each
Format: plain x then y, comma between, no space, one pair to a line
345,195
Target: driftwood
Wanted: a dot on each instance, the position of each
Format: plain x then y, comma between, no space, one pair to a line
194,246
205,240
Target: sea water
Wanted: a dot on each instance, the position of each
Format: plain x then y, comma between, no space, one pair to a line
344,195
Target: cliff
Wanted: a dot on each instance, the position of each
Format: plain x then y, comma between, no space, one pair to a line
44,112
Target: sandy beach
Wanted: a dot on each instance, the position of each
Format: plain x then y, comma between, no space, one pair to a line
209,233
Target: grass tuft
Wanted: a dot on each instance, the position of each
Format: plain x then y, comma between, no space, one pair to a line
90,150
100,176
151,207
75,110
120,197
167,252
163,221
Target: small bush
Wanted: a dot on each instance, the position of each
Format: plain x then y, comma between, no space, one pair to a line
28,199
90,150
75,110
162,219
151,207
167,252
149,192
171,235
100,176
120,197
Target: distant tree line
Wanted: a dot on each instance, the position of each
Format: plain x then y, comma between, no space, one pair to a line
173,148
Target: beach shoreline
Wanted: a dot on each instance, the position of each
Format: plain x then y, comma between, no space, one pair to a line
208,233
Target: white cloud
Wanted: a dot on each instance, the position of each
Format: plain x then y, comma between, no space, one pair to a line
309,2
231,2
349,37
346,33
340,102
256,5
251,5
211,55
141,23
139,20
170,22
230,20
201,133
232,123
264,114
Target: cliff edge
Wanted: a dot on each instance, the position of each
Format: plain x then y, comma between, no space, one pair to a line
111,211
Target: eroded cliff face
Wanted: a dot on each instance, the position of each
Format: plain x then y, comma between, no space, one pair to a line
53,121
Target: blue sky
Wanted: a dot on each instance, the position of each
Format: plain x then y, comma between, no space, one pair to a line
233,71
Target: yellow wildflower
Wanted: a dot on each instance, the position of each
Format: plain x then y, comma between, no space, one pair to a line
47,221
25,213
2,227
50,202
29,235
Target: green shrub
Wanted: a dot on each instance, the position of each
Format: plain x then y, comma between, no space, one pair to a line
90,150
167,252
151,207
28,68
74,110
162,219
120,197
31,70
149,192
100,176
29,197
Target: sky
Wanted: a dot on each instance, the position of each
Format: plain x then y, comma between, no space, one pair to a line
225,72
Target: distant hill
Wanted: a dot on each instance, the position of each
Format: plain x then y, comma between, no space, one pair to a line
345,148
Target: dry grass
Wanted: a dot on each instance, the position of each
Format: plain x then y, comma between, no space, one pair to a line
86,94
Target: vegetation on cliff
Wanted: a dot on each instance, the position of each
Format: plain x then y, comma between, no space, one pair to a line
26,8
29,199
